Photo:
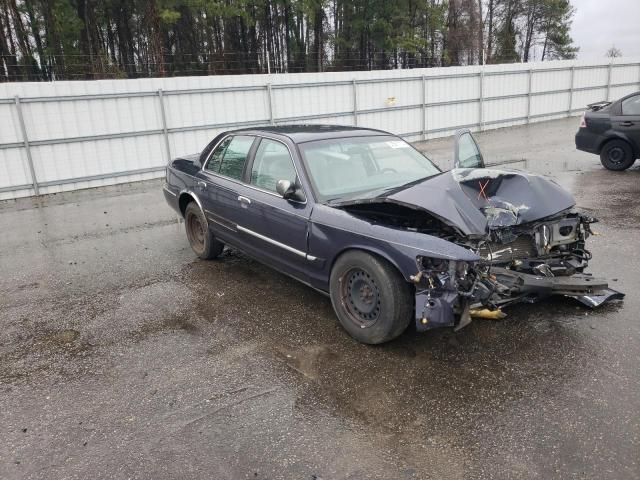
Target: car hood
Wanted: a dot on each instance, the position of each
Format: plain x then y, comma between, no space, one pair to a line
475,201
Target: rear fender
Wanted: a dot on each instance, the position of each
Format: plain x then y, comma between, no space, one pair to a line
615,135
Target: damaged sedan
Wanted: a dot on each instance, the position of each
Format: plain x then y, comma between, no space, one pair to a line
367,219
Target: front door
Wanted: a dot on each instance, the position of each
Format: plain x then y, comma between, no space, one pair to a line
277,227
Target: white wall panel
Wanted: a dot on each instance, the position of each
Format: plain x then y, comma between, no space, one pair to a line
626,74
583,98
10,128
510,84
591,77
381,95
14,169
450,89
399,121
549,103
553,80
50,120
198,108
312,100
443,116
505,108
347,120
617,92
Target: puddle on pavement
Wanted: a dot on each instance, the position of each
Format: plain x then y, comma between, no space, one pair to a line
479,369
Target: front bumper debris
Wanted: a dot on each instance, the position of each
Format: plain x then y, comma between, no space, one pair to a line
503,287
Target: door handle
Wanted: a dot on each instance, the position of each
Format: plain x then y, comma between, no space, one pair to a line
626,124
202,185
244,201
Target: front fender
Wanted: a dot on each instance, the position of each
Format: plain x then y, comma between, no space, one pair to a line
334,231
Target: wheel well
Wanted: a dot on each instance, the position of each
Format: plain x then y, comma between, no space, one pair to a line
610,139
370,252
184,200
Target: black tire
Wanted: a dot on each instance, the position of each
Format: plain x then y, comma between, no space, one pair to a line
202,241
616,155
372,301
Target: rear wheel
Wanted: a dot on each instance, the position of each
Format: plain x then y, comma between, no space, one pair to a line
616,155
202,241
371,299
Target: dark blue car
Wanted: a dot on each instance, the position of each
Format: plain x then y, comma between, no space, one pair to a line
364,217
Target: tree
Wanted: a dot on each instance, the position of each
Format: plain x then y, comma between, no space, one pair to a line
613,52
556,24
80,39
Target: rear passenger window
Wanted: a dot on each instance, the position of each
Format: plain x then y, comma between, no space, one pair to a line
631,106
235,156
214,162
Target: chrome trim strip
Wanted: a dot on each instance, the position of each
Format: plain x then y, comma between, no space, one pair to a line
220,220
295,251
197,200
169,191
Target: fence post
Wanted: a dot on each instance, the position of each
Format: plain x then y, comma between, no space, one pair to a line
609,80
424,108
165,132
270,95
529,83
573,72
481,102
355,103
27,148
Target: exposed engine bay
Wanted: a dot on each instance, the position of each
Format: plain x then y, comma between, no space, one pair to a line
527,250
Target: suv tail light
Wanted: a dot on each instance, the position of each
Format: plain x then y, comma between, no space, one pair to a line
583,122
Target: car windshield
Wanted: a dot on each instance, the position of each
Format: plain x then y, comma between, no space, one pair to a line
345,168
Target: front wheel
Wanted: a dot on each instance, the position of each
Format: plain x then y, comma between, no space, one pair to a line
616,155
202,241
372,301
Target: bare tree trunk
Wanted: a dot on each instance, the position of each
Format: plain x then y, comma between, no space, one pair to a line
490,27
480,34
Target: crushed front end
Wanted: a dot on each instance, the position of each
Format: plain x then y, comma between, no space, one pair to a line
519,263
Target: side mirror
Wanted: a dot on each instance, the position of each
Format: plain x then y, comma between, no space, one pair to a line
290,191
285,188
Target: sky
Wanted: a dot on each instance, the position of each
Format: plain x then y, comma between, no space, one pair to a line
599,24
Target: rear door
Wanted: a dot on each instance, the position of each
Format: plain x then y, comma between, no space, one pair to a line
628,121
221,185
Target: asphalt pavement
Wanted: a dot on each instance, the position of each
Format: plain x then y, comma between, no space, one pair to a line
124,356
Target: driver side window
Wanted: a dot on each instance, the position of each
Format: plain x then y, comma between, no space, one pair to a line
272,163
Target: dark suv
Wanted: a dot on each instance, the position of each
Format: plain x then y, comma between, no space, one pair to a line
612,130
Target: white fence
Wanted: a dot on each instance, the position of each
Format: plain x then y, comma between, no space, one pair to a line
77,134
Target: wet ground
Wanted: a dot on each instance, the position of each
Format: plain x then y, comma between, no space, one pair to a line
122,356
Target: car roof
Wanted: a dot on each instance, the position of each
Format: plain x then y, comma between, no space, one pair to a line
300,133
